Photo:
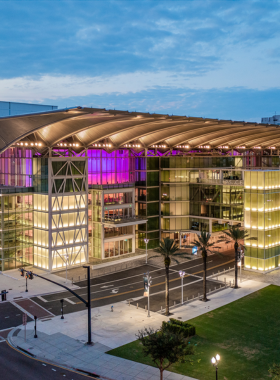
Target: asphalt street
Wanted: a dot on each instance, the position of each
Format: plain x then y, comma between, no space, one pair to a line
10,316
15,365
128,285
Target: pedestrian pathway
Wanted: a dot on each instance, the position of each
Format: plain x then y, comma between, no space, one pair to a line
64,341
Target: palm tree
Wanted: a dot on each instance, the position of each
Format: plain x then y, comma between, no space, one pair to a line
204,245
237,235
168,249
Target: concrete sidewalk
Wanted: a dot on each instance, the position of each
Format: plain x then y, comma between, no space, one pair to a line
15,284
63,341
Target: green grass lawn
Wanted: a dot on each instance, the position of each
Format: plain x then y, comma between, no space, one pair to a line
246,333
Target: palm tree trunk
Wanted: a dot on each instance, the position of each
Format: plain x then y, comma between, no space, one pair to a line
236,269
167,290
204,278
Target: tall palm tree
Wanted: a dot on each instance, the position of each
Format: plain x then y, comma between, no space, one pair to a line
168,249
204,245
237,235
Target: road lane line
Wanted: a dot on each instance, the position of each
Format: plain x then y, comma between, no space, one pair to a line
42,299
161,283
72,302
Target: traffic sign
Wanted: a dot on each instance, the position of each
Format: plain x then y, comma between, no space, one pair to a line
24,319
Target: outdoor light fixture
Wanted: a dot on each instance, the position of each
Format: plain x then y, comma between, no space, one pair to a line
146,242
182,275
215,361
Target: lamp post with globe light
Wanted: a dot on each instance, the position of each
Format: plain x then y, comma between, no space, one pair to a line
215,361
146,242
182,275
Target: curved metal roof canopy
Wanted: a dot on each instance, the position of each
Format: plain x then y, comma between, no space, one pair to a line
87,127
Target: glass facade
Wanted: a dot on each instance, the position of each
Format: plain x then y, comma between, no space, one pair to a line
262,219
66,208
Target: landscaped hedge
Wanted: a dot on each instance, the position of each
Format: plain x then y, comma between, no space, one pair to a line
179,327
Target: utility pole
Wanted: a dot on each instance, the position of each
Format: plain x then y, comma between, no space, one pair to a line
88,305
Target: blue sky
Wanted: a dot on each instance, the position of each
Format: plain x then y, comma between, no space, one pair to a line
205,58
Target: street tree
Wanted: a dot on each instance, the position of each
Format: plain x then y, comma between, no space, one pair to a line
204,245
237,235
168,249
164,347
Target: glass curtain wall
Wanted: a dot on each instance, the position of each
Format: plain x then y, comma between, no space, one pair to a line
147,200
17,230
110,168
262,219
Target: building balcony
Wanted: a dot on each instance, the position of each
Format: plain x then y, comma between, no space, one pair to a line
124,221
229,182
233,182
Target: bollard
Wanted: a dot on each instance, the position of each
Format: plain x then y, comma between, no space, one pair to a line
218,272
230,283
225,280
174,303
35,333
62,316
161,309
112,308
225,270
137,305
145,307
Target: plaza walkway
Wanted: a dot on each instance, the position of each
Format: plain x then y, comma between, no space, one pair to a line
64,341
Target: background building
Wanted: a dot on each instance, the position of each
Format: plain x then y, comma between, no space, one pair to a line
84,184
271,120
14,108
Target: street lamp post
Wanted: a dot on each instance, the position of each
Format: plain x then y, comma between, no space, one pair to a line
146,242
215,361
147,284
182,275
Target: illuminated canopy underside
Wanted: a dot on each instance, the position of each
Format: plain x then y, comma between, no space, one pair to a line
89,126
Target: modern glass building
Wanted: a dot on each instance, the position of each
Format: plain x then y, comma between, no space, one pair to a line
81,185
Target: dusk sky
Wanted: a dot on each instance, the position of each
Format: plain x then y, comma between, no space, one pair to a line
217,59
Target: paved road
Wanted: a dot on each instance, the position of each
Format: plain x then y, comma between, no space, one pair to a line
10,316
125,285
15,365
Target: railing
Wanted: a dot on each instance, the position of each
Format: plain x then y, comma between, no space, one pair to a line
237,182
120,220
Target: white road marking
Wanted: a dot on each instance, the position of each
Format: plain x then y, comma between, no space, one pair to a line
53,369
7,317
115,291
106,286
72,302
44,364
42,299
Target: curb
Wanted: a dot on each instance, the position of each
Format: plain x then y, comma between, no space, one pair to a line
37,357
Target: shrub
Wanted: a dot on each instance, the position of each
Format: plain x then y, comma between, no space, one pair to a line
179,327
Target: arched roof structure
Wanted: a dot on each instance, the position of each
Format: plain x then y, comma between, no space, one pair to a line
87,127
